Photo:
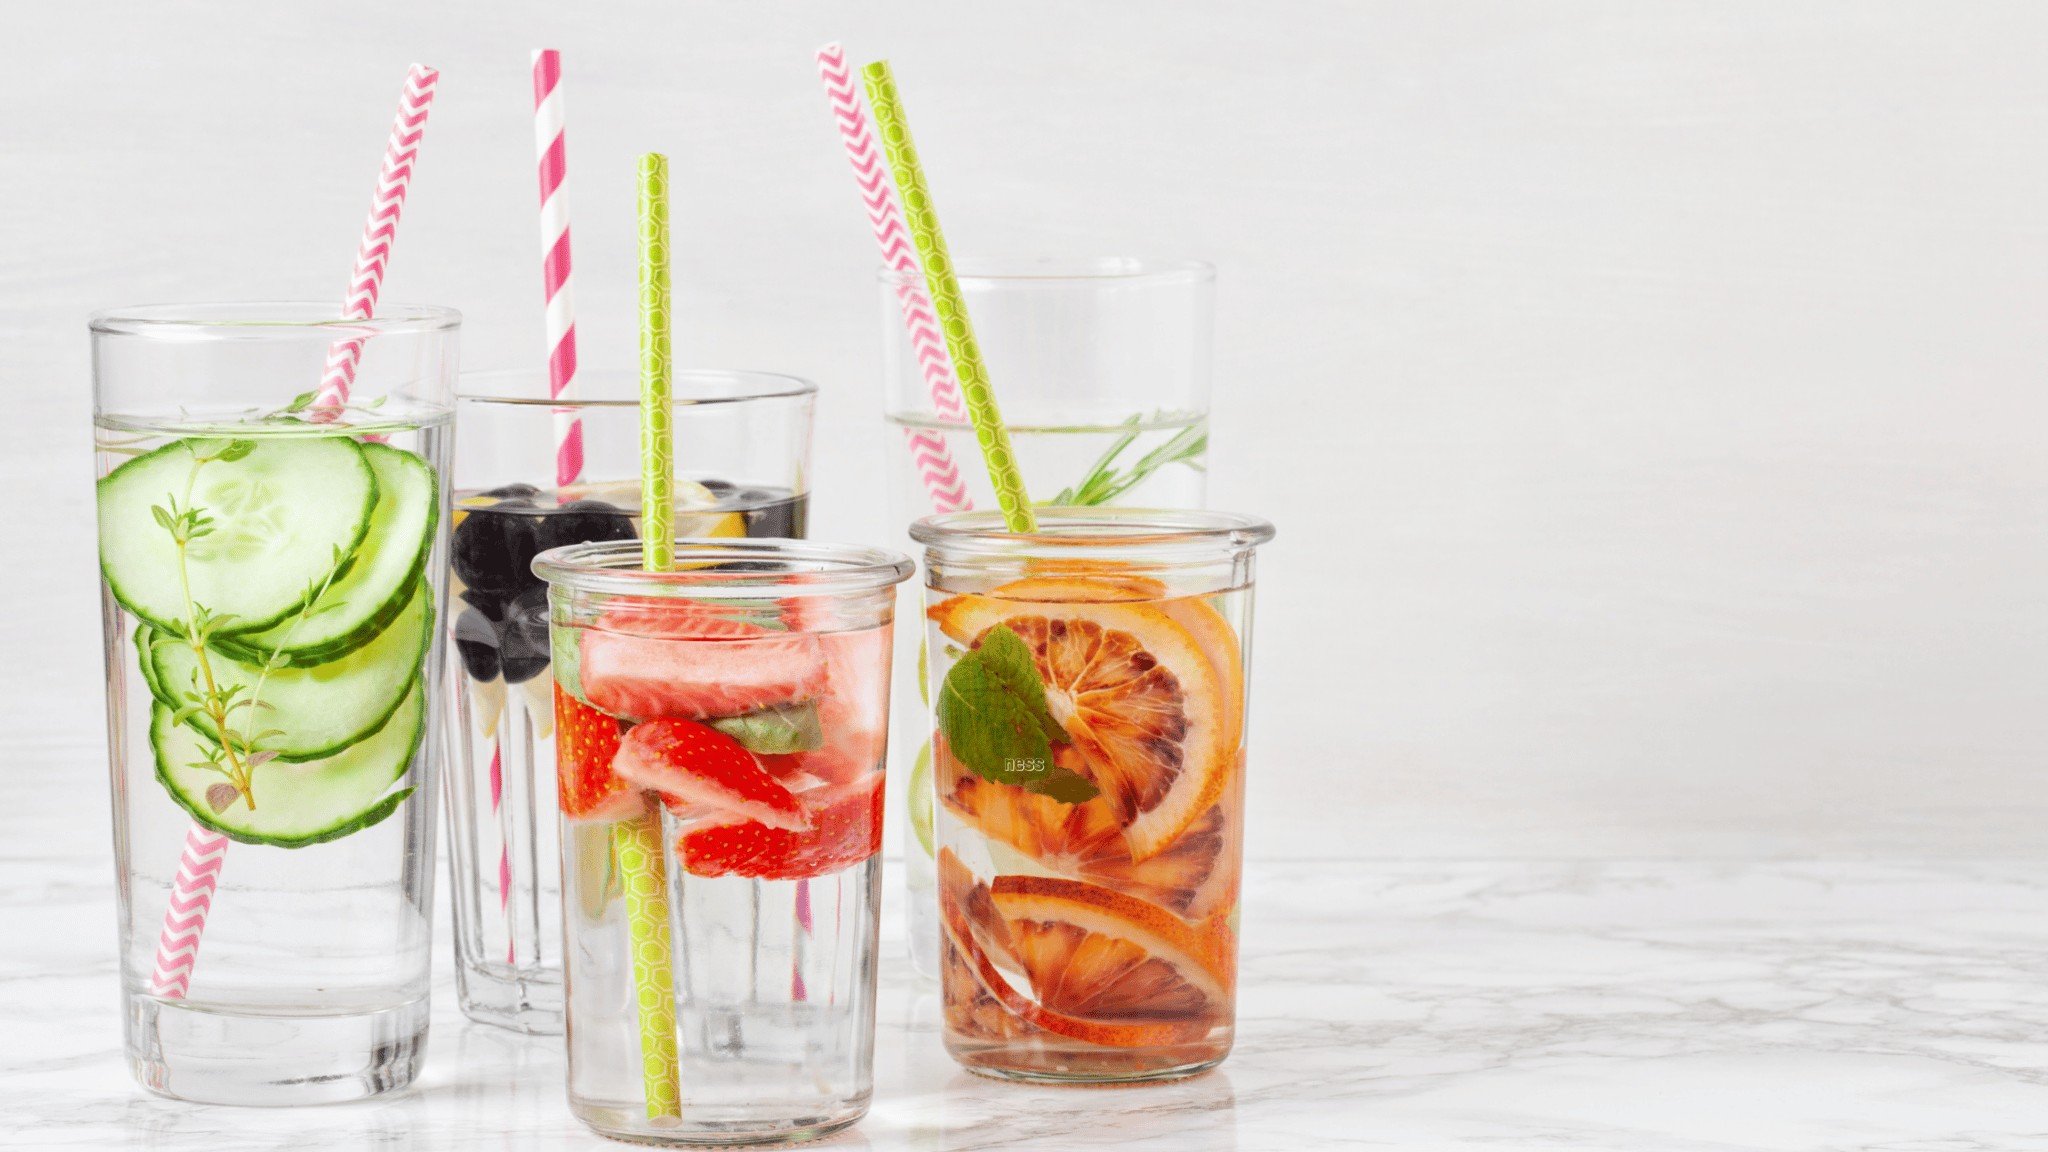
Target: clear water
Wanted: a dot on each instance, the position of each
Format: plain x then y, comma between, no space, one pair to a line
504,851
1053,458
311,978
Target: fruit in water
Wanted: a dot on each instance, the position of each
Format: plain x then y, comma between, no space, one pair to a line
670,663
846,828
1194,876
493,546
1132,687
523,636
853,707
701,771
476,640
585,743
584,522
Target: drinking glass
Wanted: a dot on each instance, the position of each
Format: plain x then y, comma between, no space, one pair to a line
1103,369
270,557
1088,750
742,458
720,744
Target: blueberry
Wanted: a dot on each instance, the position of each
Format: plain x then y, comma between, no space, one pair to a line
525,492
494,550
585,522
477,641
523,636
492,607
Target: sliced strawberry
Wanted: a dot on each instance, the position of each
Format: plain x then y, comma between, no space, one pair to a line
694,661
853,708
697,768
585,742
846,829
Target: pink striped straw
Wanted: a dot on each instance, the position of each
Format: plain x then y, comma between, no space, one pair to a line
205,853
551,141
928,449
373,254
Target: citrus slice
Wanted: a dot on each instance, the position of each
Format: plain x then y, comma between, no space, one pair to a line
1131,685
1193,877
1097,953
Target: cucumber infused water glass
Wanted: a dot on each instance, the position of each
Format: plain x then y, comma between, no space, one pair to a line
743,440
736,709
1089,682
1104,369
271,580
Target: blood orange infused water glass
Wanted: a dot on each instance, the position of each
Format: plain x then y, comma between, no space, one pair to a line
735,710
1088,724
270,578
743,442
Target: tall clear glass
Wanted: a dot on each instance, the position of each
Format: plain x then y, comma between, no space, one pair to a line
1103,368
1088,742
743,451
721,736
270,559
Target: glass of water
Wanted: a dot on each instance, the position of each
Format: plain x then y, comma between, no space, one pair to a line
720,737
1103,369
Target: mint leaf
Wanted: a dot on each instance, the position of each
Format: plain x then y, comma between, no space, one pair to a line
775,731
1065,786
992,712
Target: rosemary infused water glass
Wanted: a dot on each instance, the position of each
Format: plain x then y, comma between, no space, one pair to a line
743,440
1088,736
1103,365
271,576
720,739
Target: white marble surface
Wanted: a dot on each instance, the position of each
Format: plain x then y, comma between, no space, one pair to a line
1638,1006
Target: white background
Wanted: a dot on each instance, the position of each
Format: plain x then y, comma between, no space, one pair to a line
1648,395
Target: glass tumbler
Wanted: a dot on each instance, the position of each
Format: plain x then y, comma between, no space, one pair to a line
1103,369
720,734
743,447
1088,756
272,507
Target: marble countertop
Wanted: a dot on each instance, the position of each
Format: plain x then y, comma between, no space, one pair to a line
1637,1006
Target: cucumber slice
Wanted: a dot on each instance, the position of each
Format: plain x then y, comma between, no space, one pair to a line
142,639
319,710
379,581
296,804
282,512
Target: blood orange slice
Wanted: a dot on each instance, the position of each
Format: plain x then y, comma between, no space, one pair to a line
1155,723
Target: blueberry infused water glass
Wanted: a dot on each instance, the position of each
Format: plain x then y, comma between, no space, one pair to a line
742,460
271,574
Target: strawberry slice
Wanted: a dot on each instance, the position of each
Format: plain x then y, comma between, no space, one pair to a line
846,829
697,768
696,662
585,742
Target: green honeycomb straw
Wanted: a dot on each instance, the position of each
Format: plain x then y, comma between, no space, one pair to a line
637,840
944,287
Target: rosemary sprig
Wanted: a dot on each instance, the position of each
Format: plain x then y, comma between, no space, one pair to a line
1104,482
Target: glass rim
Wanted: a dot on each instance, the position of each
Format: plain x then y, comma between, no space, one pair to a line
495,386
1093,529
1052,271
817,568
276,318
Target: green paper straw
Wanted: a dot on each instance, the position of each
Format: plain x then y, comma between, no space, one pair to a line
637,840
944,287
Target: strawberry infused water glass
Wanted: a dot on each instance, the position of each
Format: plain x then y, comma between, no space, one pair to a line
1088,733
731,716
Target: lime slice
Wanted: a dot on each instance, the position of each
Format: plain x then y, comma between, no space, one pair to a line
921,799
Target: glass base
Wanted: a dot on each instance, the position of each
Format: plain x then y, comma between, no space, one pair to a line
212,1056
527,1000
1046,1064
633,1127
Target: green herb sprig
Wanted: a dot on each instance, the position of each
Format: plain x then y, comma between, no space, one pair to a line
1104,482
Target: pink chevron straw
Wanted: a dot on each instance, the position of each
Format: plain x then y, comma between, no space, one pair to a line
927,448
551,140
373,254
205,853
177,947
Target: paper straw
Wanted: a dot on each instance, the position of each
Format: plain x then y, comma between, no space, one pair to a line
550,140
637,840
373,253
205,852
928,451
923,222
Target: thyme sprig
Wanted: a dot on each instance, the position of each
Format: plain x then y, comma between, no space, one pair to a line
1104,482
